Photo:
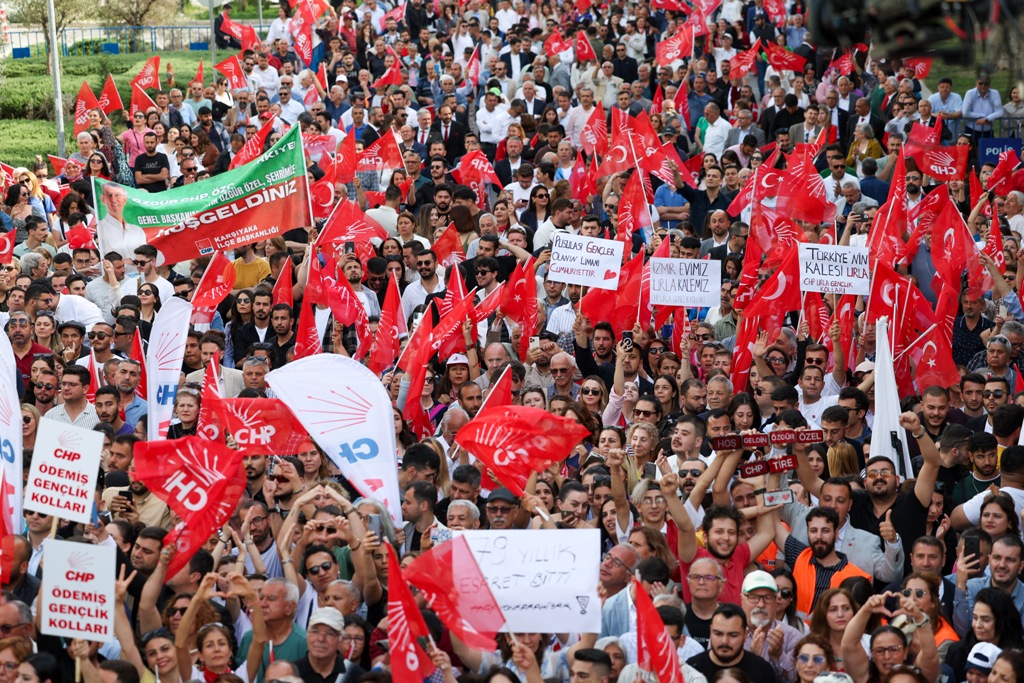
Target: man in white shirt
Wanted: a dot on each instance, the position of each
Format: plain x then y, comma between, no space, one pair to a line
291,108
146,263
387,213
717,132
113,232
265,75
521,188
506,16
492,119
578,116
429,282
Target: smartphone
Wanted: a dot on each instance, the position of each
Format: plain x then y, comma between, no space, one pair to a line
1002,310
350,248
666,446
650,471
627,339
271,464
373,524
972,546
534,343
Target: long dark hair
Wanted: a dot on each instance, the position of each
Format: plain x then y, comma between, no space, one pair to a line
45,666
1009,631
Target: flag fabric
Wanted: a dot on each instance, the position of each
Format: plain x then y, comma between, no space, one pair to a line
7,246
519,302
253,147
163,363
386,342
743,63
582,184
633,214
514,441
843,63
94,378
658,101
782,59
83,104
232,70
57,163
655,651
346,307
261,425
383,154
476,171
448,248
994,248
934,361
887,429
110,98
208,426
138,355
473,68
217,282
941,162
556,44
349,224
584,50
682,102
392,76
405,625
307,339
594,136
472,615
149,76
321,192
1001,180
301,28
200,480
679,46
283,287
199,74
922,66
11,473
621,306
141,102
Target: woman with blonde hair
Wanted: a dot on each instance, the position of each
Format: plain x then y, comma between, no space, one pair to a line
443,479
842,460
41,203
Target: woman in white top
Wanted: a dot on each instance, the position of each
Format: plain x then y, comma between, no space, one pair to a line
279,27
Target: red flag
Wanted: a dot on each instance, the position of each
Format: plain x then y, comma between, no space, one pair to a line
473,68
887,287
682,101
301,27
582,184
994,248
951,243
383,154
679,46
620,306
405,625
200,480
517,440
386,342
217,282
321,75
584,50
594,136
253,147
779,295
815,314
475,171
744,61
232,70
922,66
934,361
940,162
844,315
455,342
782,59
885,239
347,159
261,426
448,248
7,246
307,340
397,14
199,74
141,102
393,76
209,426
110,99
776,11
321,193
556,45
633,213
139,356
655,651
149,76
283,287
844,63
94,378
80,238
349,224
1001,180
85,102
346,307
57,163
243,33
472,615
658,101
519,302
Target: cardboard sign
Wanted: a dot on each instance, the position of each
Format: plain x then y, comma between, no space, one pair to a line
538,577
686,282
77,596
65,464
587,261
835,270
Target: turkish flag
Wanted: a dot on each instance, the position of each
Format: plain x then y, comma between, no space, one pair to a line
80,238
782,59
933,359
217,282
584,50
555,44
580,180
633,213
779,295
393,76
405,625
679,46
951,243
7,246
472,615
744,61
386,342
885,239
519,302
473,68
448,248
110,99
515,441
321,192
283,287
594,136
622,306
887,288
141,102
149,75
232,70
200,480
803,198
1001,180
138,355
261,425
209,426
86,100
455,342
922,66
655,651
253,147
658,101
347,159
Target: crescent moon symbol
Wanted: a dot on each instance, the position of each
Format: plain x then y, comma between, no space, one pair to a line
778,290
886,293
612,158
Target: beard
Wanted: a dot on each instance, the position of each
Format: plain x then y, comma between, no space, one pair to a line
821,550
759,617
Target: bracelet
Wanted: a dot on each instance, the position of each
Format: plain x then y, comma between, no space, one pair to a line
919,435
287,561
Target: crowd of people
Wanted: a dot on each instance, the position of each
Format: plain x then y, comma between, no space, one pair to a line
867,572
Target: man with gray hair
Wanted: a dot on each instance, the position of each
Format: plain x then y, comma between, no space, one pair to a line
563,369
1013,205
33,265
279,599
86,145
323,660
463,514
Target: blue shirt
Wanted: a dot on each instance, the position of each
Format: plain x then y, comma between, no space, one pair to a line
135,410
666,195
870,186
977,107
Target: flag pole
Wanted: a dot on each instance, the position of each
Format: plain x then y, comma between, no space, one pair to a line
914,343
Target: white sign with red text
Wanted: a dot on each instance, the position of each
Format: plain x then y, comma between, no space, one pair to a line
65,464
77,598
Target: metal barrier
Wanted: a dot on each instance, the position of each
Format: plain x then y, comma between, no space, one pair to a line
112,40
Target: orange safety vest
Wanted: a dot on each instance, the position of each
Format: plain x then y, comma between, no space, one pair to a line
804,574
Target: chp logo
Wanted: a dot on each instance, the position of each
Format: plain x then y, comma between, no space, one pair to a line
79,565
68,445
940,164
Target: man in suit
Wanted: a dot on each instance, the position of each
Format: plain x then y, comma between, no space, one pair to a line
769,113
230,379
534,105
451,132
507,167
625,66
374,126
410,142
862,114
617,567
516,61
808,131
738,233
744,127
838,118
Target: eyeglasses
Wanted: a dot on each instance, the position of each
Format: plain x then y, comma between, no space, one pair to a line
10,666
637,412
997,393
5,630
500,509
183,294
243,300
259,520
317,568
26,419
560,371
818,660
815,361
480,271
95,161
140,263
915,592
325,527
760,599
608,557
892,650
177,611
540,196
348,638
47,386
875,474
656,350
704,578
701,337
775,360
692,473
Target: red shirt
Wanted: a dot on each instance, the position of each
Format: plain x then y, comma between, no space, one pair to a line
733,570
25,364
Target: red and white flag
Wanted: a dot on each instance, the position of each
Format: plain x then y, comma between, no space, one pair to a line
139,356
782,59
149,76
217,282
594,136
448,248
110,98
584,50
253,147
386,342
405,627
141,102
283,286
199,75
473,68
679,46
209,426
655,651
163,363
232,70
83,104
392,76
922,66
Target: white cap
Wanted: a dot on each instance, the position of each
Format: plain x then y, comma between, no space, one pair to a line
759,579
329,617
457,359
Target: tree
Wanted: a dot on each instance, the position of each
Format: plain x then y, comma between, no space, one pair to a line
138,13
33,13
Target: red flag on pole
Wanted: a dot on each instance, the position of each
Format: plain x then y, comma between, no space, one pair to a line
655,651
782,59
7,246
94,377
307,339
633,213
149,76
922,66
301,27
209,426
744,61
1001,180
283,286
584,50
138,355
141,102
679,46
110,98
253,147
473,68
232,70
86,101
448,248
199,74
217,282
405,625
594,136
393,76
386,342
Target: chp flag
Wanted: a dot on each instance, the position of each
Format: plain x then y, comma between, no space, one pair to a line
11,472
249,204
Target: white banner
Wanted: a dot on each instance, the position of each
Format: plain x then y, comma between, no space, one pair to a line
163,364
65,464
834,270
694,283
588,261
538,577
11,472
347,411
77,598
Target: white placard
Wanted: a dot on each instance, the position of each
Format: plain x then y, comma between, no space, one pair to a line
686,282
587,261
542,577
77,598
834,270
65,464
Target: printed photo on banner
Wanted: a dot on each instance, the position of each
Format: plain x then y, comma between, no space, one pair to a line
252,203
587,261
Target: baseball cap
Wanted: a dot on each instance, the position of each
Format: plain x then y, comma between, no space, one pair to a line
457,359
759,579
329,617
983,656
669,130
503,494
866,366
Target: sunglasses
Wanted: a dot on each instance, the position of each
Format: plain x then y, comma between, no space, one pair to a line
786,594
590,392
176,611
807,659
317,568
643,413
26,419
917,593
140,263
47,386
98,335
998,393
326,527
241,300
692,473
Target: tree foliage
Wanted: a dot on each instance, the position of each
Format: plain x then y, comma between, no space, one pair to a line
138,12
33,13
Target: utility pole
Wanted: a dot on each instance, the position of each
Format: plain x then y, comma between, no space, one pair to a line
213,34
58,98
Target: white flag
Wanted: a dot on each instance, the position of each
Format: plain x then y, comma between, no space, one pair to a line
347,411
10,441
887,431
163,364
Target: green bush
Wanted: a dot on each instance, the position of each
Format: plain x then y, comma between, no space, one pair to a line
23,140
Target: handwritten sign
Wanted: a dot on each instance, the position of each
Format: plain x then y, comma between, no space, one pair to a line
539,577
686,282
77,599
834,270
65,465
587,261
